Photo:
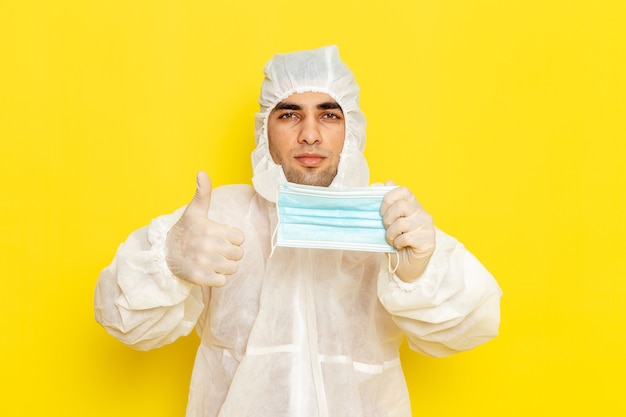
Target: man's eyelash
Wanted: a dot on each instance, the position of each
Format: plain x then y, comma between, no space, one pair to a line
330,115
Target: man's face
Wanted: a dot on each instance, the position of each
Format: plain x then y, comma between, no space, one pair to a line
306,132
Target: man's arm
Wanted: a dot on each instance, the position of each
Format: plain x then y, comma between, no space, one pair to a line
453,306
440,294
137,298
151,294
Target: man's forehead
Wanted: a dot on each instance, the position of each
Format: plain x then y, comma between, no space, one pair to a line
309,99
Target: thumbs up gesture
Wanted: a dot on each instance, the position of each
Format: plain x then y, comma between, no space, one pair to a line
200,250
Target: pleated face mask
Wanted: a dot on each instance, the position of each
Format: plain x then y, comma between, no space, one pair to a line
327,218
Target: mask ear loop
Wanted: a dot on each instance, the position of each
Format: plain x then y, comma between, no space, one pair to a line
274,238
393,271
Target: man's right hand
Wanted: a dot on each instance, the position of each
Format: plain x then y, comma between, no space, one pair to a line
200,250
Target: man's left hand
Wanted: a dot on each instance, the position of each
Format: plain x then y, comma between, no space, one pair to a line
410,230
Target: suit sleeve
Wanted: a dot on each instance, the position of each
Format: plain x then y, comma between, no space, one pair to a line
138,300
454,306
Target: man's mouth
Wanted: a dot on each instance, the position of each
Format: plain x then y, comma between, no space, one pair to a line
310,159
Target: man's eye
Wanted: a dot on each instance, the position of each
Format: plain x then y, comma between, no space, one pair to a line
333,116
287,116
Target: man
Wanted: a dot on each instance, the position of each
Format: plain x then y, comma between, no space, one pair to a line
297,331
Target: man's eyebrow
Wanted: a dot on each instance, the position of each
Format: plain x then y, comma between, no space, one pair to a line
329,105
287,106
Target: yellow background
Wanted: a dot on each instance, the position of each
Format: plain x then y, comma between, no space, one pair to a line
506,118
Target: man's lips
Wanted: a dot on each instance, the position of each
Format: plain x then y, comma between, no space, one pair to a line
310,159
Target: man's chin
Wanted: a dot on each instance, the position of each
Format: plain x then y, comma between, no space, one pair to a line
319,179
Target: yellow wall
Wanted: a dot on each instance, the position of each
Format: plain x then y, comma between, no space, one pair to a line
506,118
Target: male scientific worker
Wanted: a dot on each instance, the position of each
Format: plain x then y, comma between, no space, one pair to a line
297,331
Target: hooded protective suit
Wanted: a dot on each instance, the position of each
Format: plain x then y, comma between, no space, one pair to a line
305,332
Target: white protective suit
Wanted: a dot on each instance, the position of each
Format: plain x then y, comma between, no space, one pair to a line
305,332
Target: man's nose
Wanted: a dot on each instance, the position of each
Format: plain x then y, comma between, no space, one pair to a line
310,132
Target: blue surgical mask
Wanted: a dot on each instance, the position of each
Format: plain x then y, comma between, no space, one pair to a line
328,218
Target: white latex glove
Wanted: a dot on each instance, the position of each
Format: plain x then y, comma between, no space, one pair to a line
200,250
410,230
